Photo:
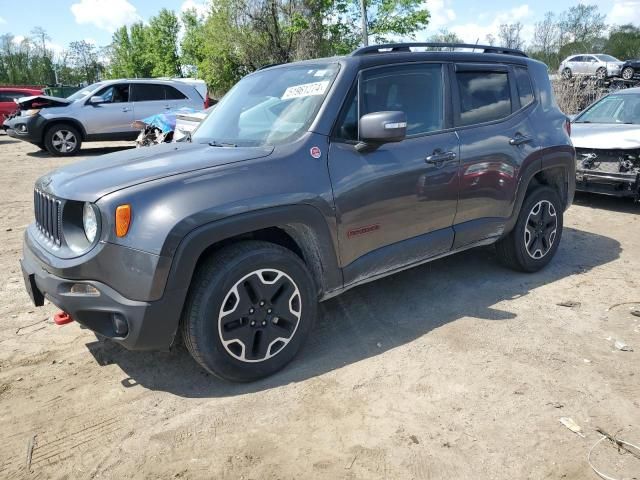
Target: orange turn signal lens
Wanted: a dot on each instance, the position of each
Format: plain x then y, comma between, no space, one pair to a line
123,219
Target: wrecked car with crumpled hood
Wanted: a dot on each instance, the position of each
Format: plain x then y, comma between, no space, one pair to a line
606,137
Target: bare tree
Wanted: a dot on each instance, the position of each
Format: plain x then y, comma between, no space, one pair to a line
583,23
490,39
546,35
444,36
510,35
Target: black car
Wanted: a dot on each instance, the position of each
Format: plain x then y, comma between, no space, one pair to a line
306,180
630,69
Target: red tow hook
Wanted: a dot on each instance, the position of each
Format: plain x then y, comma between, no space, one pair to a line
62,318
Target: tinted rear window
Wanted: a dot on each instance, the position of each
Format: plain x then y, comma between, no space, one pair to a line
173,93
146,92
484,96
525,90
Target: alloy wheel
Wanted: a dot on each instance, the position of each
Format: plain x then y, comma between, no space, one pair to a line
259,315
64,141
540,229
627,73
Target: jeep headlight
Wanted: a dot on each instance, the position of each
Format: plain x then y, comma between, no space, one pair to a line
89,222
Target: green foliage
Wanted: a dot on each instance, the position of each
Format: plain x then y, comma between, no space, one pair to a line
624,42
162,44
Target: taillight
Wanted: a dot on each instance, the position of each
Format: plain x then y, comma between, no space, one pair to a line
567,126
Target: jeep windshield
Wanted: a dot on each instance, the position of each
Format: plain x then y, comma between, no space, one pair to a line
623,108
269,107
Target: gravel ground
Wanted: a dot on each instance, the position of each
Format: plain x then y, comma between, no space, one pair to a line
456,369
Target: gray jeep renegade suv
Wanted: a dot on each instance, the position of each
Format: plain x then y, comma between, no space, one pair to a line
307,179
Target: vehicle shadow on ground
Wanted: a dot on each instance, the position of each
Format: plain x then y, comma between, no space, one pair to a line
606,202
85,152
376,317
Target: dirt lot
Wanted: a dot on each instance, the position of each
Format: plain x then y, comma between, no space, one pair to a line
457,369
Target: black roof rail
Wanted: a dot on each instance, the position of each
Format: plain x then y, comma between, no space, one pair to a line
406,47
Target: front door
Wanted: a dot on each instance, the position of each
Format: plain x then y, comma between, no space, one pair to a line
395,205
112,116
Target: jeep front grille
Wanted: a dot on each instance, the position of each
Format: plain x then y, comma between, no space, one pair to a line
48,215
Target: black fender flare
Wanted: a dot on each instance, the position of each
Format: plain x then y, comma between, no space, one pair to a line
304,223
556,157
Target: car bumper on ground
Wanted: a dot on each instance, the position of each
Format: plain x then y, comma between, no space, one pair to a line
616,184
137,325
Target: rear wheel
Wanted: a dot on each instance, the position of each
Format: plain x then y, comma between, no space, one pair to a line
535,238
627,73
567,73
601,73
62,140
250,308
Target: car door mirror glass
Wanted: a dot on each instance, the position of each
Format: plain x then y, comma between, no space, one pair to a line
382,127
97,99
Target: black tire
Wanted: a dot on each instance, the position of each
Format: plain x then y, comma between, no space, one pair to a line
567,73
513,249
216,344
601,73
41,146
628,73
62,140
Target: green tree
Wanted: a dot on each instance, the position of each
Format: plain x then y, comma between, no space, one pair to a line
162,46
624,42
141,59
120,55
83,57
192,41
582,24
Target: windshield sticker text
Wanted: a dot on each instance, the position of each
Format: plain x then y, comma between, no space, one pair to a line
305,90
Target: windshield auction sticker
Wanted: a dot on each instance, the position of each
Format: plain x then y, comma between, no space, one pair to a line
305,90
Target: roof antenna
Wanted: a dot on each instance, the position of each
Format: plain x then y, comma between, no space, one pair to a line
477,41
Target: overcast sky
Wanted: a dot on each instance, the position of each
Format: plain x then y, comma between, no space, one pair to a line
95,20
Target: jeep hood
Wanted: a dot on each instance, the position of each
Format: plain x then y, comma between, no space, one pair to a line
41,101
607,136
91,179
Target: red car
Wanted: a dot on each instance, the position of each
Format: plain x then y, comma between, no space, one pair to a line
8,94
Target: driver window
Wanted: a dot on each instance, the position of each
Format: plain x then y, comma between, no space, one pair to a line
416,90
115,93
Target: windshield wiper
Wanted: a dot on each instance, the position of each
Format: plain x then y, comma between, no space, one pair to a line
213,143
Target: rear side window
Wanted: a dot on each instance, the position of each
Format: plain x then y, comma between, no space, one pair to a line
173,93
484,96
525,90
147,92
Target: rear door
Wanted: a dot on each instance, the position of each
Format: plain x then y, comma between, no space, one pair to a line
496,139
113,116
396,203
149,99
176,98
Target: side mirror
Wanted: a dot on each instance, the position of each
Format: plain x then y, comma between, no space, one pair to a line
96,100
378,128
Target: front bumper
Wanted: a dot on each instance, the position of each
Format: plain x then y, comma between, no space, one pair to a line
30,129
137,325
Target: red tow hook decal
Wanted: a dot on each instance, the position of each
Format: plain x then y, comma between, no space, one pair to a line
62,318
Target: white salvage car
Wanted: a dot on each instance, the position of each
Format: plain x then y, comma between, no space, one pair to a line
606,136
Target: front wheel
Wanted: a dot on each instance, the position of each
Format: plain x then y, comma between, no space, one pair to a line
627,73
250,308
62,140
535,238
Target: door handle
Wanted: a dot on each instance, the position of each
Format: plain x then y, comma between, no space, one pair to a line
520,140
126,109
438,157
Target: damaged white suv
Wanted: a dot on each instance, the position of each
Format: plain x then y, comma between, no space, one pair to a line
99,112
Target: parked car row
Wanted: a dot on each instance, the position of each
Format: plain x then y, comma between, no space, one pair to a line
102,111
600,66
